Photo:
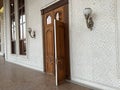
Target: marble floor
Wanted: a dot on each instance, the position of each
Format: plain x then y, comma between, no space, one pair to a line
15,77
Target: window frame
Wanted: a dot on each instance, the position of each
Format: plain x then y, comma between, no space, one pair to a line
17,38
13,28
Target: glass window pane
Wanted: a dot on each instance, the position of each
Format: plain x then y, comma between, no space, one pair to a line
49,20
21,31
23,18
12,27
22,27
57,16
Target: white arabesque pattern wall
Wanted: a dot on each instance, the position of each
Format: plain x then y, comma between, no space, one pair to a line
94,55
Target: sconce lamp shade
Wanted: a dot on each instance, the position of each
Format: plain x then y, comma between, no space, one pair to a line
87,11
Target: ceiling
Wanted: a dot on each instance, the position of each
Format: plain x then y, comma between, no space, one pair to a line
1,3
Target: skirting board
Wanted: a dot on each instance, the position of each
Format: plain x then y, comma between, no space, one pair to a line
92,85
26,66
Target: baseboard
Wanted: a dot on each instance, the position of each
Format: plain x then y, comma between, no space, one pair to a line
26,66
92,85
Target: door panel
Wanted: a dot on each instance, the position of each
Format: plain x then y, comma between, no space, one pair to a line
60,51
49,51
49,43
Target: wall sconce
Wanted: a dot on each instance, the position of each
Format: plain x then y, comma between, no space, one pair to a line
87,12
31,33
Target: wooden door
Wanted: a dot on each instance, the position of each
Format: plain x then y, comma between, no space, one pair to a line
49,43
59,34
61,68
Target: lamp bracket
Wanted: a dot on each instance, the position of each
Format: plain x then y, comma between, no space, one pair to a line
88,17
31,33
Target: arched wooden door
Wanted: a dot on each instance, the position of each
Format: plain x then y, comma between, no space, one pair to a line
60,61
57,14
49,43
56,46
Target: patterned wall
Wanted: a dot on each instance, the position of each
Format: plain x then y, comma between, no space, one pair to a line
94,54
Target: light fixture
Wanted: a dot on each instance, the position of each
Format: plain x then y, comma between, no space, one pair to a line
87,12
1,10
31,33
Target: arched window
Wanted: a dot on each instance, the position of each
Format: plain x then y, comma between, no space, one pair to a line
57,16
49,19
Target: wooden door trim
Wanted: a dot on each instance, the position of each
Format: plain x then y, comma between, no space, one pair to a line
54,6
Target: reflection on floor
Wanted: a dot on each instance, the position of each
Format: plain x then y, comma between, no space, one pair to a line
15,77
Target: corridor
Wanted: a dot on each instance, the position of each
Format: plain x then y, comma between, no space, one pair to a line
14,77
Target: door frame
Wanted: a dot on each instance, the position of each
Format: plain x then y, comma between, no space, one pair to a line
46,10
54,6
